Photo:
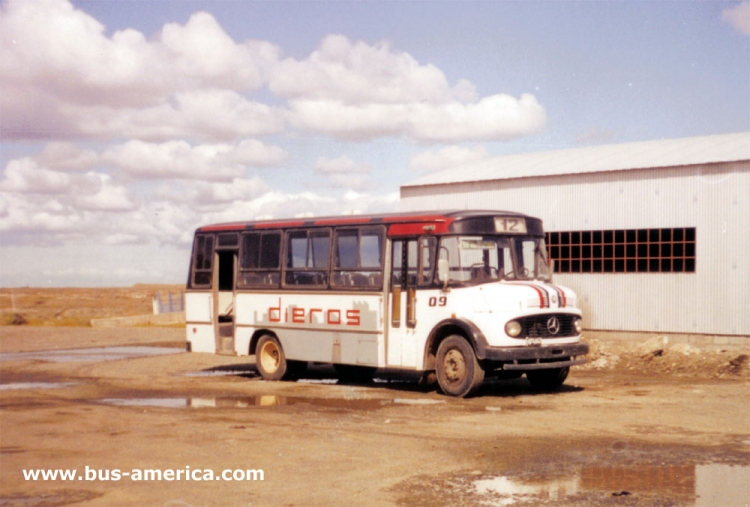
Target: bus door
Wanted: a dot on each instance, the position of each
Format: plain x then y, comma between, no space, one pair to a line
411,267
225,269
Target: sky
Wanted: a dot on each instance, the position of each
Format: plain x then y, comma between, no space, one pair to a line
125,124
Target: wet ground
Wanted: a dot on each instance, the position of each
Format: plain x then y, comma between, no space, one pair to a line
131,399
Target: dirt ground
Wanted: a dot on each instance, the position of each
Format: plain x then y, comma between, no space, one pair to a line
642,424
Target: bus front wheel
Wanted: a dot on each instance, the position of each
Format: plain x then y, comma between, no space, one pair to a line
458,371
269,358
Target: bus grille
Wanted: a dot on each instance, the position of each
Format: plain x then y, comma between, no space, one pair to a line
543,326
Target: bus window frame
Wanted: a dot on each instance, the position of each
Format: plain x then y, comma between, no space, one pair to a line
286,270
268,281
194,269
358,269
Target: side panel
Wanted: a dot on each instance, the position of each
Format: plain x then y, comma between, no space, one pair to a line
199,318
323,327
201,338
199,307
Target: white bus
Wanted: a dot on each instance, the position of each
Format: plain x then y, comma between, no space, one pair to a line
463,294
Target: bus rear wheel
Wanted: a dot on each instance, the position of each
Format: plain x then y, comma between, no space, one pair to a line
547,380
458,371
270,359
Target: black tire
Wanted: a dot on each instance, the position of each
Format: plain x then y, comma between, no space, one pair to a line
353,373
458,370
547,380
270,359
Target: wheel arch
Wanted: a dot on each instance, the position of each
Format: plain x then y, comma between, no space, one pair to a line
449,327
256,336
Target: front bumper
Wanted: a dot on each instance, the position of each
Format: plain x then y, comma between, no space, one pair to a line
537,358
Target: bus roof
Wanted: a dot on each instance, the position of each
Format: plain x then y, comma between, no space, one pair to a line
400,223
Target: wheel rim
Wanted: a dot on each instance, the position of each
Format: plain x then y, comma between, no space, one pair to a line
270,357
454,366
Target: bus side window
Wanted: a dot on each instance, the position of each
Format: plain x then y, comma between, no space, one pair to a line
358,255
398,275
308,254
405,263
260,257
426,260
203,256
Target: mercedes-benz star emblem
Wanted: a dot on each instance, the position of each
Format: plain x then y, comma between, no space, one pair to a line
553,325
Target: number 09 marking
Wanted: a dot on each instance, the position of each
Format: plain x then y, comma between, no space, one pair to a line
441,301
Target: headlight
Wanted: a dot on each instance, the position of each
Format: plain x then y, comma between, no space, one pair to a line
578,326
513,328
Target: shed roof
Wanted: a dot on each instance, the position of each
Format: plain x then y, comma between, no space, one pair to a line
612,157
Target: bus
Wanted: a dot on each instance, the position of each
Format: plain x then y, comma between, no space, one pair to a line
456,295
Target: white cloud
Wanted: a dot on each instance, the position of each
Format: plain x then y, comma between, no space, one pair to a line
354,91
203,193
64,78
739,17
203,114
357,73
343,172
446,158
201,50
26,177
108,197
68,157
180,160
493,118
340,165
62,74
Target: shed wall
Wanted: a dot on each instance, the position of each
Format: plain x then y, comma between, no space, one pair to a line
712,198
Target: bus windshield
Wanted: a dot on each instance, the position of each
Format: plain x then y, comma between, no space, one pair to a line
481,259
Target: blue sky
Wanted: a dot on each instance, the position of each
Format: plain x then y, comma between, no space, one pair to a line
125,124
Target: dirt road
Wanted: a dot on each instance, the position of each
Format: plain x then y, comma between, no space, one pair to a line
616,434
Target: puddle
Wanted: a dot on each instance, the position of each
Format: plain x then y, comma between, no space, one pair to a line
218,373
90,354
35,385
248,402
417,401
146,402
700,485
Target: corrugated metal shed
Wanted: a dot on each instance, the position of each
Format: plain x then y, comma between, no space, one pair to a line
615,157
701,183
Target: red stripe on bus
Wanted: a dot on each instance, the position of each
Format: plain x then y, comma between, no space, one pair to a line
343,221
537,289
277,225
417,229
561,295
417,218
223,227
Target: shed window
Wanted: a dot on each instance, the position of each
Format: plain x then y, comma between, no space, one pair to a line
624,251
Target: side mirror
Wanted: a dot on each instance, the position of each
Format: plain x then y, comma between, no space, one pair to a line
442,272
551,267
